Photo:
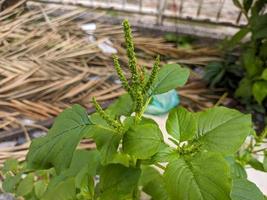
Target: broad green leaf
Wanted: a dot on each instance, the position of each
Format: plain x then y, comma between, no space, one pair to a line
238,37
259,90
181,124
118,182
40,188
142,141
237,170
122,106
56,148
204,176
26,185
107,142
153,184
222,129
243,189
65,190
170,76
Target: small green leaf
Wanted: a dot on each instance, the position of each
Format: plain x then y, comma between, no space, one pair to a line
222,129
181,124
260,90
118,182
56,148
170,76
25,186
204,176
142,141
243,189
40,188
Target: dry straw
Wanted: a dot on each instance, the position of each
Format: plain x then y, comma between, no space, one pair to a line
47,62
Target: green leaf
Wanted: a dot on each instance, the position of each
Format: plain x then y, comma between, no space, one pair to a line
170,76
237,37
252,63
258,25
118,182
237,170
202,177
83,162
261,34
265,162
25,186
142,141
245,190
254,163
214,72
56,148
10,183
10,165
107,142
65,190
222,129
244,89
40,188
181,124
122,106
165,154
153,184
259,90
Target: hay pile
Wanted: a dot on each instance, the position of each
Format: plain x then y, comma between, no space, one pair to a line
49,61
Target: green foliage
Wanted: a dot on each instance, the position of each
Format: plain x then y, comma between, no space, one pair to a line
243,189
130,149
56,149
181,124
252,86
203,176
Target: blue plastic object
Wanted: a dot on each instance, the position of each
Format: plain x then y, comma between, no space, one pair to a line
163,103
